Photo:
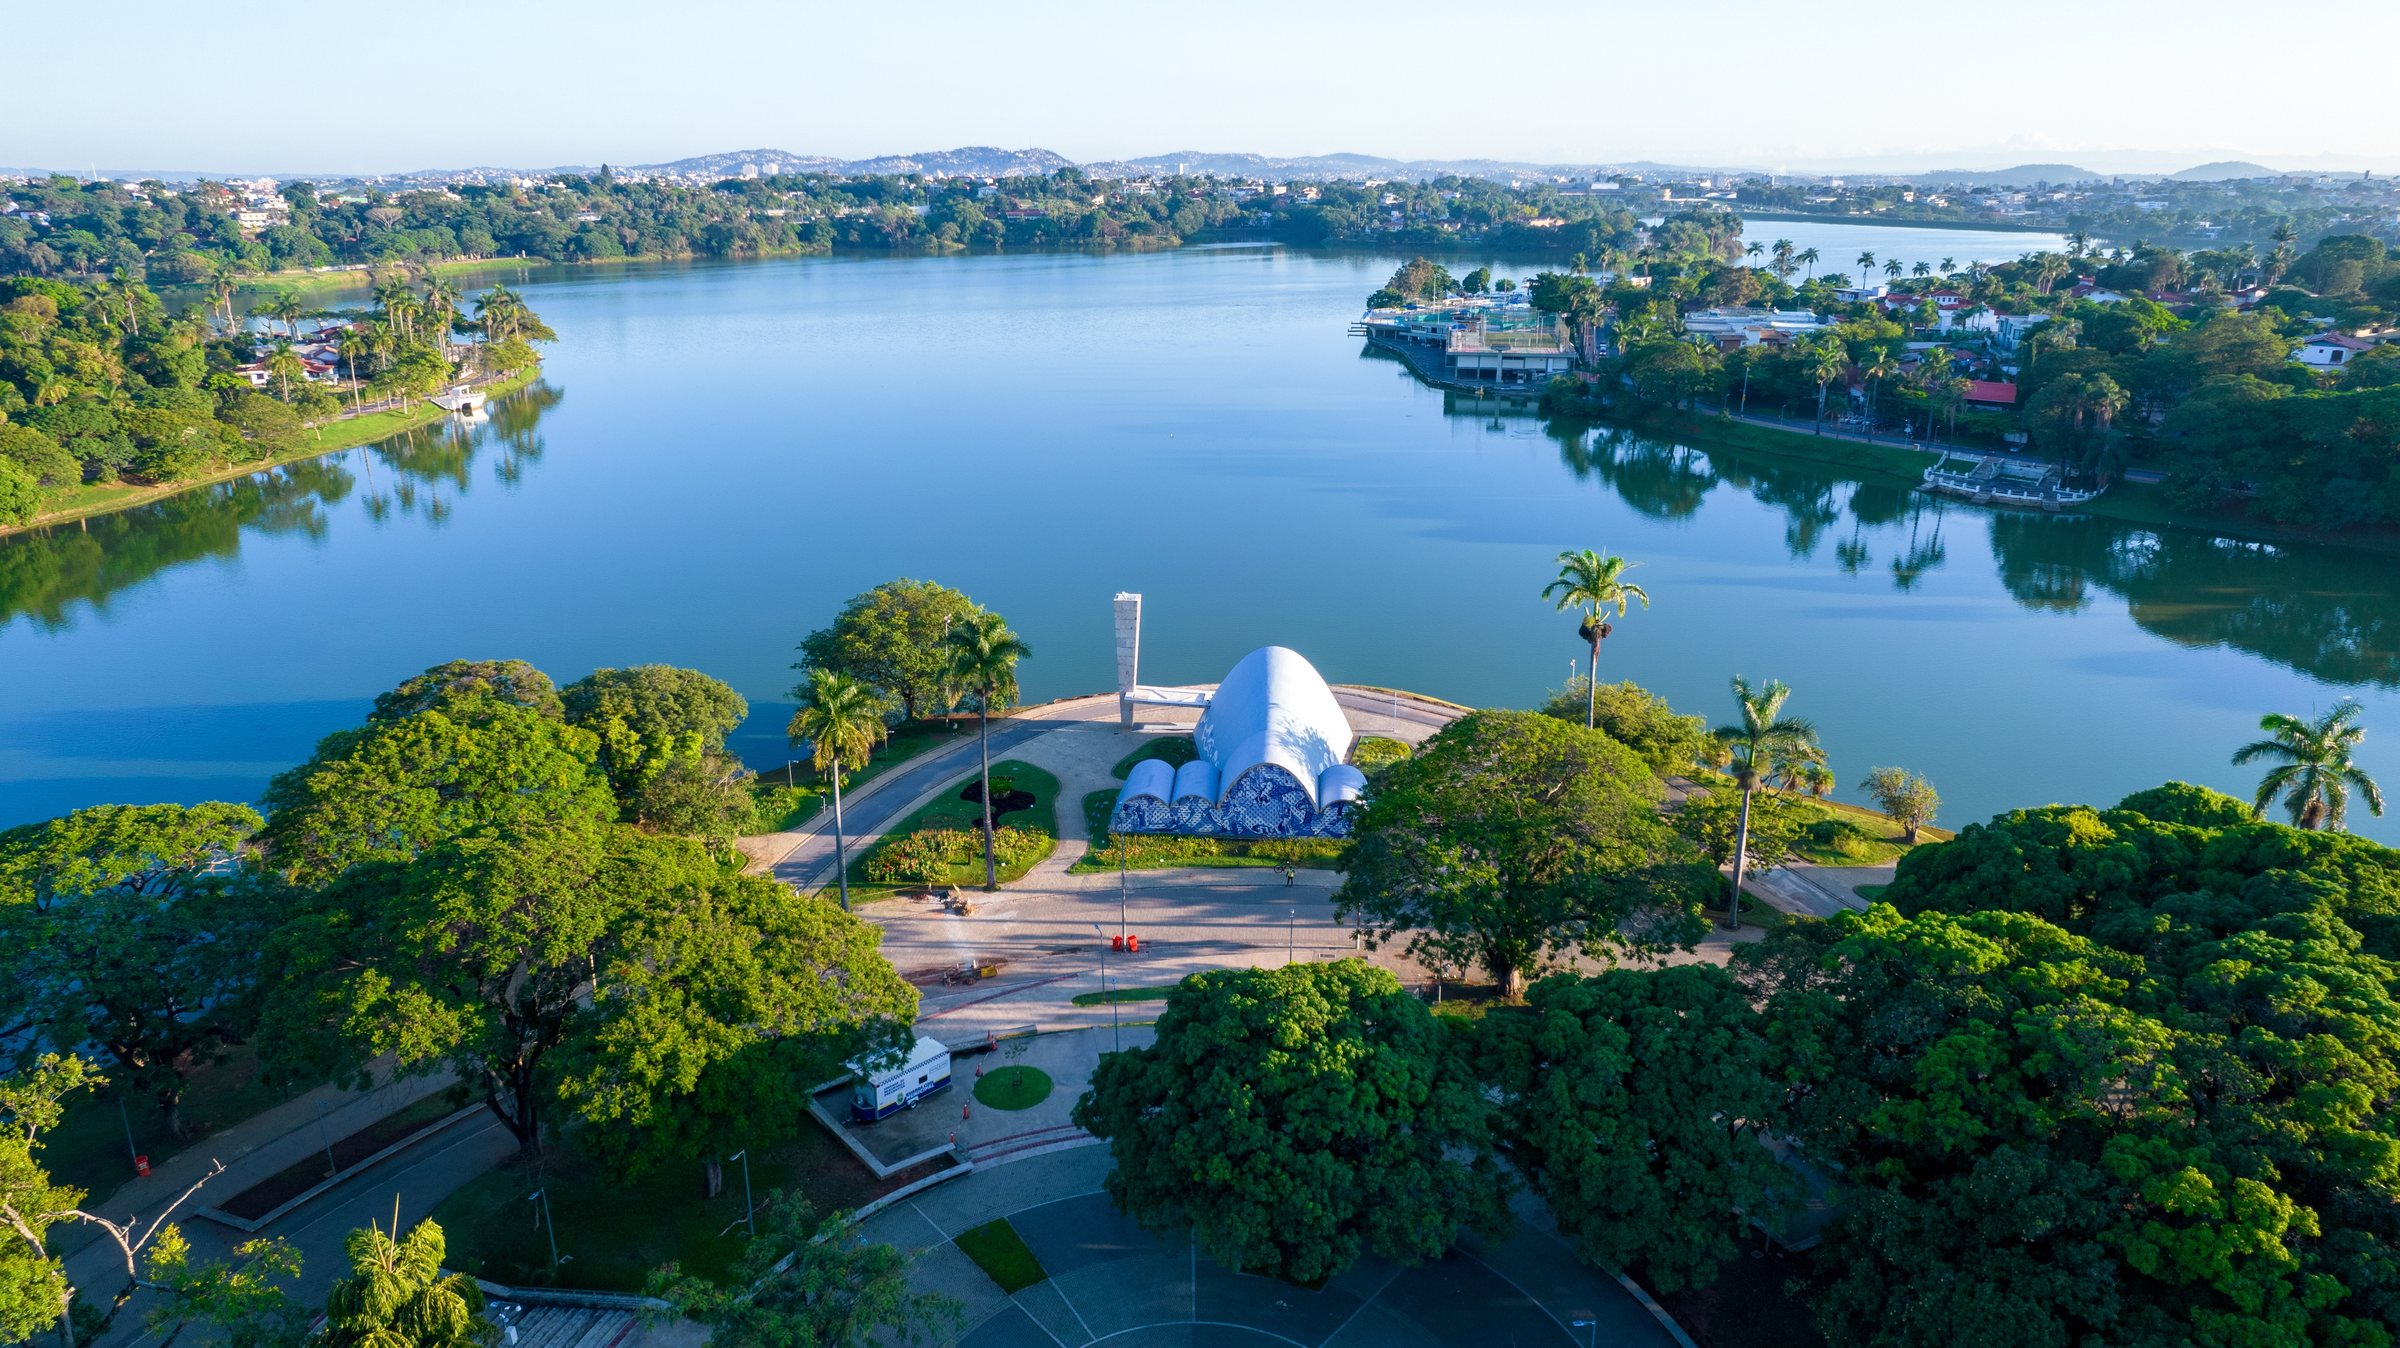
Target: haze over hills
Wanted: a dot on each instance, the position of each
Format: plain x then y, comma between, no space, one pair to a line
985,161
2224,169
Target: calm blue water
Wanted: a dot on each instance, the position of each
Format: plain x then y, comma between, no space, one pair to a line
722,454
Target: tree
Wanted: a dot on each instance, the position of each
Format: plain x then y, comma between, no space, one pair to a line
20,493
891,639
2316,773
284,365
808,1282
1827,362
1763,733
653,717
983,660
34,1292
1638,719
1509,837
285,308
1713,823
245,1302
717,1016
117,935
1634,1105
1906,797
1594,582
839,722
393,788
2074,1081
1295,1118
510,681
398,1296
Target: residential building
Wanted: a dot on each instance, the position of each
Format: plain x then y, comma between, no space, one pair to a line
2328,350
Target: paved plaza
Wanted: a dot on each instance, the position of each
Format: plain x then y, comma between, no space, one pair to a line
1111,1282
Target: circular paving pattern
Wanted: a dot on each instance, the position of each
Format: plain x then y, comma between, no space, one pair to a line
1112,1283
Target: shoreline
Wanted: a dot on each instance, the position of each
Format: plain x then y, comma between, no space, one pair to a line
2134,503
346,434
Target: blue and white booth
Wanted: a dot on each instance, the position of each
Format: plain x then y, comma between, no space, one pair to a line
1272,744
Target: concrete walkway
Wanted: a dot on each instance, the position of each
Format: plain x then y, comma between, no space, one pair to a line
1110,1280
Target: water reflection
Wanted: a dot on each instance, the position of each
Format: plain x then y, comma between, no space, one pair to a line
45,573
2329,613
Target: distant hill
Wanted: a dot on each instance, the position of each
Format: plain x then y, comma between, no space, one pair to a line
764,161
2222,170
2023,175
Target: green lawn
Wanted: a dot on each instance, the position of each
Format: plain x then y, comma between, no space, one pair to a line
611,1233
1870,893
948,811
1124,995
1013,1087
1174,750
1150,852
998,1250
792,795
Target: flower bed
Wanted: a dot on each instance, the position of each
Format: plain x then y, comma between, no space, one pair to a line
926,856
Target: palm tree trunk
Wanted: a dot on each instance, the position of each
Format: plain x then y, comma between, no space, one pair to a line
1591,686
983,734
841,857
1741,857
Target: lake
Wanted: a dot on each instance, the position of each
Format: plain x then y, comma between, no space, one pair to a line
720,454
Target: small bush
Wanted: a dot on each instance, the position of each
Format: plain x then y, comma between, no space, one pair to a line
1373,753
926,856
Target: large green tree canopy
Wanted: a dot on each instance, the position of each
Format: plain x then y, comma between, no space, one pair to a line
125,927
890,639
1511,837
395,787
2090,1076
1293,1118
584,962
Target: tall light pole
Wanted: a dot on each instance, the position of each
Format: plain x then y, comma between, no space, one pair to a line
542,1196
1113,1029
749,1211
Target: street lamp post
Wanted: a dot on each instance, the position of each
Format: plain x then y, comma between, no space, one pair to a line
1113,1029
542,1196
749,1211
325,1138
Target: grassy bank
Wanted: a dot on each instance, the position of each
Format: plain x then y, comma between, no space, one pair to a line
948,811
349,433
89,1149
2140,503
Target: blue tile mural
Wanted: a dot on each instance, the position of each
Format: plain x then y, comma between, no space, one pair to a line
1268,802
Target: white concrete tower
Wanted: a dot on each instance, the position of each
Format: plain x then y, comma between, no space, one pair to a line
1129,653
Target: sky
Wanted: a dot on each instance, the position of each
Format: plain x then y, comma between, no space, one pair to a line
2116,86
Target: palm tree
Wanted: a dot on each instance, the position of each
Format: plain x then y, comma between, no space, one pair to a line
1763,734
840,719
1594,582
1783,258
283,365
1948,266
2315,774
1866,267
1894,267
1830,362
286,309
1879,367
223,279
1921,269
1808,257
1754,248
983,659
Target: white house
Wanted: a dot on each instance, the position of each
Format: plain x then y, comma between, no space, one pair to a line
2328,350
1862,294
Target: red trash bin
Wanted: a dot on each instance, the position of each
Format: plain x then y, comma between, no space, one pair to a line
1134,944
141,1166
1116,943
